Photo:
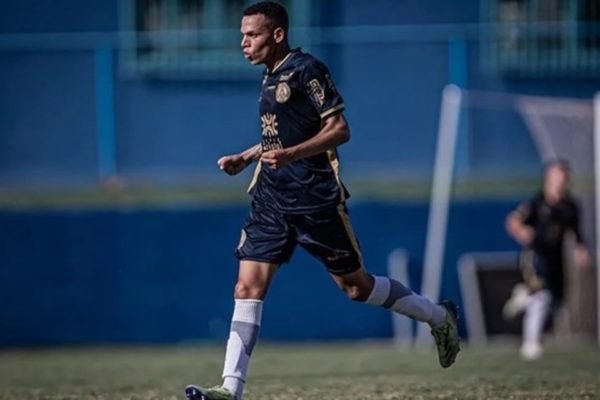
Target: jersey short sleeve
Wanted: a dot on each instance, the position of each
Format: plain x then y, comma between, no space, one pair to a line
526,212
321,90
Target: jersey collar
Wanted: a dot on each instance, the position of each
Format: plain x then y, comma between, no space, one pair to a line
284,61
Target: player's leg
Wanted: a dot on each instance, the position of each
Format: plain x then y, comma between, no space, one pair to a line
330,238
545,287
250,290
389,293
266,242
517,303
532,273
534,321
534,270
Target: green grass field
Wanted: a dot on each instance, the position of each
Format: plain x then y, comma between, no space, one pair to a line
157,195
300,372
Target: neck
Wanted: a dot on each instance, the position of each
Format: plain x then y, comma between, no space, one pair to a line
553,196
278,57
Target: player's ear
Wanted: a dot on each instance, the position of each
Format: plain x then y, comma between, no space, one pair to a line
279,35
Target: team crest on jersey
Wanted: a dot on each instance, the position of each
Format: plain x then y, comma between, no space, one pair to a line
316,92
270,132
283,92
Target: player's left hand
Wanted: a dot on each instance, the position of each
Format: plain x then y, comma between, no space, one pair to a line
582,257
277,158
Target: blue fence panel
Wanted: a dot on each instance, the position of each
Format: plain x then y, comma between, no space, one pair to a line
48,128
158,276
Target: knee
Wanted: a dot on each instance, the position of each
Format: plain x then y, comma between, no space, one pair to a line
245,290
358,292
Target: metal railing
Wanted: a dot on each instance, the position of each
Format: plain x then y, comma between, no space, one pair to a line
525,48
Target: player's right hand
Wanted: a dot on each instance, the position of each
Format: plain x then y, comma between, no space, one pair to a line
525,235
232,164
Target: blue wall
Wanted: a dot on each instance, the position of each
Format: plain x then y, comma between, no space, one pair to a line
40,16
392,94
167,275
50,124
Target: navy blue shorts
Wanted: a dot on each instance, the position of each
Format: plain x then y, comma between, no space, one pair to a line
543,271
270,236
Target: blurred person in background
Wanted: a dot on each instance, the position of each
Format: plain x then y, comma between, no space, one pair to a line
541,225
299,199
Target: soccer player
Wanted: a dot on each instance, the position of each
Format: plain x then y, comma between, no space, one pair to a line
540,225
298,199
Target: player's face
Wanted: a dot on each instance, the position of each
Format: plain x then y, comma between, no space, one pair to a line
258,40
557,180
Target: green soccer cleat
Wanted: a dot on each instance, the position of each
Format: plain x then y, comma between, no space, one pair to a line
193,392
446,335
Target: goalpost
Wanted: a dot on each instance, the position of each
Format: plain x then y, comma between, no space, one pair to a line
597,195
440,198
560,127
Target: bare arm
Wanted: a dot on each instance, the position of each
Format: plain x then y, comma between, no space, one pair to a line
235,163
522,233
335,131
582,255
252,154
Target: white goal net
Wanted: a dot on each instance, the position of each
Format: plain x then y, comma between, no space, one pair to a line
493,145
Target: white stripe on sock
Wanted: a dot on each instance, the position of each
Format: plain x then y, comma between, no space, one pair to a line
248,310
420,308
380,292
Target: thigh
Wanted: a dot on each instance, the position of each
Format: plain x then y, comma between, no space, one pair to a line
329,237
533,270
266,236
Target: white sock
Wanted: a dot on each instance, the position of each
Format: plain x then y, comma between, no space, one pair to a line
392,294
245,325
535,316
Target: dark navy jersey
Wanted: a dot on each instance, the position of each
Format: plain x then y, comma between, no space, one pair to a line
295,99
551,222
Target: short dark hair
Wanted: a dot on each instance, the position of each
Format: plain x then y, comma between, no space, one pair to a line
274,12
560,163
